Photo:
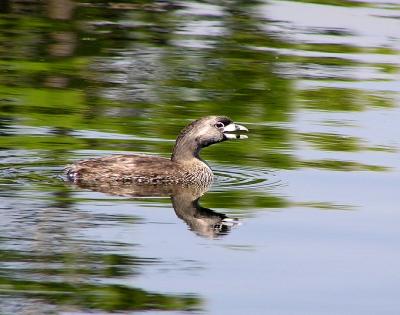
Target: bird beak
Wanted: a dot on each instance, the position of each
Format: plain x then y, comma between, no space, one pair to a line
234,131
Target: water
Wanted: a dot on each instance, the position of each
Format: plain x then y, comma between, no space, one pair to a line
311,197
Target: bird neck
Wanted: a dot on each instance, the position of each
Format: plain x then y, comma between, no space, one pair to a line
186,151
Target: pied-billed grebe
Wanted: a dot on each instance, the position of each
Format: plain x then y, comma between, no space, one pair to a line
184,167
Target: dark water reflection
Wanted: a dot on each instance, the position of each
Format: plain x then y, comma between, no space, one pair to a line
185,201
313,189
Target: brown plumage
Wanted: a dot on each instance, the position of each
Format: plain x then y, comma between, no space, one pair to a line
184,167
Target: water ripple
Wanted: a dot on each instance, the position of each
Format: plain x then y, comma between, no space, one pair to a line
244,178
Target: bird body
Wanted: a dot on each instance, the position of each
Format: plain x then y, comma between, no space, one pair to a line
184,167
140,169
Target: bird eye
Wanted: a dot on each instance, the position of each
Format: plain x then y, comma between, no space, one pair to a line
219,125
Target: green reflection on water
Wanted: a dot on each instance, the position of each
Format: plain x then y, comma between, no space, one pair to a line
60,72
343,165
333,142
97,296
335,99
341,3
244,199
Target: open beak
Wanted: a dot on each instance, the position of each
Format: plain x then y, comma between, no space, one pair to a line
234,131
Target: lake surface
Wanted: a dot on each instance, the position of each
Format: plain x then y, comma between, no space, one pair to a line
312,194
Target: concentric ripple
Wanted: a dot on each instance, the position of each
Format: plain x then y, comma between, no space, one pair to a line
244,178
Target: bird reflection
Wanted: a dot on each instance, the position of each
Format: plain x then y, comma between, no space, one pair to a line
185,201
